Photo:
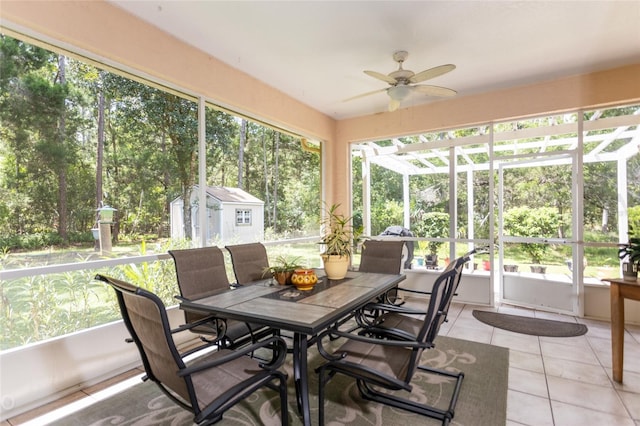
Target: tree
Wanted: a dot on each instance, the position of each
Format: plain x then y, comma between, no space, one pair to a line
532,222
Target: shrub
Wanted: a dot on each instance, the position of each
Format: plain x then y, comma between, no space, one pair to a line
542,222
432,225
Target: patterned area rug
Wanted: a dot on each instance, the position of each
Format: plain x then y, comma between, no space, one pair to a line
482,400
532,326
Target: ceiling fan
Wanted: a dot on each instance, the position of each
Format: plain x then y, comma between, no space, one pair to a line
403,82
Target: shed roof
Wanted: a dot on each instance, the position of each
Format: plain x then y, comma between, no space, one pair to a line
226,194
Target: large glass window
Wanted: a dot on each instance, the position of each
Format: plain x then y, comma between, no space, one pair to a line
611,185
75,139
535,158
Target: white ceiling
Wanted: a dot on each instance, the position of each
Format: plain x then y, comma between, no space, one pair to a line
317,51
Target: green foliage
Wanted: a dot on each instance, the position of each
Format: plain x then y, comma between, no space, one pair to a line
150,154
532,222
42,307
284,263
337,236
30,241
384,215
431,225
633,216
631,250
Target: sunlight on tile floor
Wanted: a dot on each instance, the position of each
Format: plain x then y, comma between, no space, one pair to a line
552,381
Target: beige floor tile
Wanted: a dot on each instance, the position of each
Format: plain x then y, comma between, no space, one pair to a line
602,350
578,371
571,353
595,328
632,356
472,334
471,322
526,361
576,341
573,415
632,402
630,381
518,342
633,331
527,409
604,399
528,382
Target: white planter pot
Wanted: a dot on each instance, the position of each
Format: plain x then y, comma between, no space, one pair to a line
335,267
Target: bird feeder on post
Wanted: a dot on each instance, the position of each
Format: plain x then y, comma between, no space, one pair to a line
105,219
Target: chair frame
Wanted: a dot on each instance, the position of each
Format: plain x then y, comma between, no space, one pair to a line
368,378
366,317
243,264
213,258
214,410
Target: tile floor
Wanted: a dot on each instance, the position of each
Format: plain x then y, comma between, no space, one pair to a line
552,381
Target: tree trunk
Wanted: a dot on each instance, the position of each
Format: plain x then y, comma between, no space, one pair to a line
266,179
62,167
186,212
274,199
243,140
100,152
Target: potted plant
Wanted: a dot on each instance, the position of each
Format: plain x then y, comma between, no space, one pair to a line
338,241
283,269
631,253
436,225
422,247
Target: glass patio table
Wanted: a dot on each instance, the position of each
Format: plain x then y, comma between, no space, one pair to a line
305,313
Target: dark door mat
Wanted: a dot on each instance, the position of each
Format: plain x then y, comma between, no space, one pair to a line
532,326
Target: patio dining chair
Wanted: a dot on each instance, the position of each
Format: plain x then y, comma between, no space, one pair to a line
383,364
381,256
200,273
405,321
207,385
250,262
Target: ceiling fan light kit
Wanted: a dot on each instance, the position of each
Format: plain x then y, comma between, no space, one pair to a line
403,82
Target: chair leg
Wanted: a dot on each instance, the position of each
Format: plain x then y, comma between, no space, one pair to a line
368,392
321,384
284,406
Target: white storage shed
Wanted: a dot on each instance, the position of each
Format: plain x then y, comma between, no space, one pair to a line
234,216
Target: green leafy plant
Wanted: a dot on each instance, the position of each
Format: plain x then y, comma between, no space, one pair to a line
283,264
631,250
338,233
283,269
532,222
435,225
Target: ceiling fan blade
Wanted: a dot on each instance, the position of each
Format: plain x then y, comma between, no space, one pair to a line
434,90
364,94
432,73
393,105
381,76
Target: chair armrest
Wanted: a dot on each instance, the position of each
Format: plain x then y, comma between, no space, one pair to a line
185,327
387,333
386,307
334,333
280,352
